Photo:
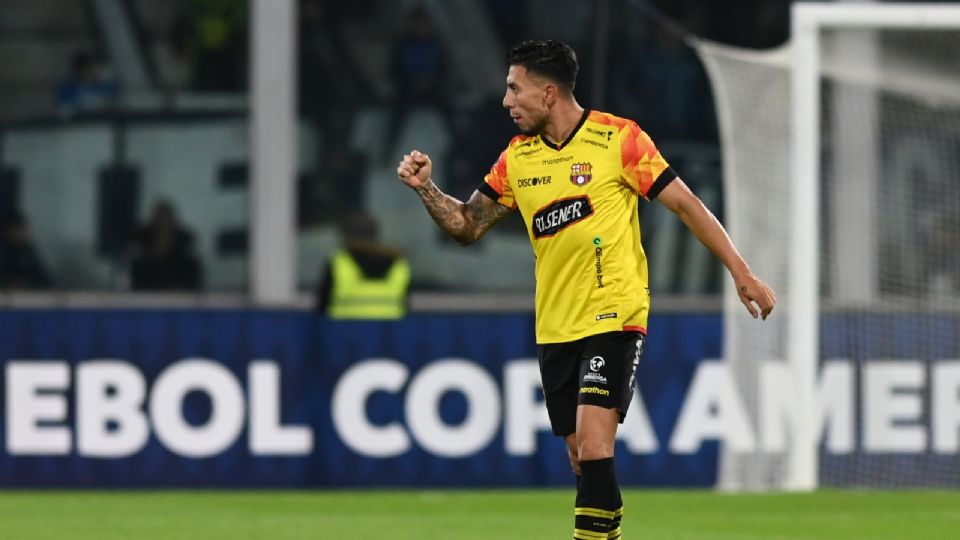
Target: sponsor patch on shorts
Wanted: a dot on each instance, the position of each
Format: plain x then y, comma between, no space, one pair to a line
595,378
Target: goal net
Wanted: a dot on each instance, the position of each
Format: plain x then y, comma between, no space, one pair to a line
842,182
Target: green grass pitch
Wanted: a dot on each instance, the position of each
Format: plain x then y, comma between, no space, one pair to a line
468,515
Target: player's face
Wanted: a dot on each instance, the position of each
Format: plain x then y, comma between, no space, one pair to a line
526,99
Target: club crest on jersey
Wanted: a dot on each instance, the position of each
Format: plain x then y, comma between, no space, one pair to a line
580,173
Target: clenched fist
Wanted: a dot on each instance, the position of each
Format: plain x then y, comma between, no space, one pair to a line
414,169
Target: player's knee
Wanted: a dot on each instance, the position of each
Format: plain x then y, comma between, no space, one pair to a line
590,449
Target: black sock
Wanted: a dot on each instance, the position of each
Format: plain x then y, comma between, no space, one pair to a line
617,514
599,505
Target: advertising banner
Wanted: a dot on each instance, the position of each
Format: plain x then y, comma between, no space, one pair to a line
246,398
138,398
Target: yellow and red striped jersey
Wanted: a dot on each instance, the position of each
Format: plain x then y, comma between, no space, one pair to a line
579,202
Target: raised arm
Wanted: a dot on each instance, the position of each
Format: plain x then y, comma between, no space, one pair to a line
465,222
698,218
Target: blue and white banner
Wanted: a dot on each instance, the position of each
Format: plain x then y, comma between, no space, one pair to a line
234,398
286,399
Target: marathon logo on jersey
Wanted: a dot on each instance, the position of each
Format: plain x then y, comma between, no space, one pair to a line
535,181
580,173
561,214
556,161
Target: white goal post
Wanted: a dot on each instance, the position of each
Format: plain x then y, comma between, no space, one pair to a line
808,20
772,111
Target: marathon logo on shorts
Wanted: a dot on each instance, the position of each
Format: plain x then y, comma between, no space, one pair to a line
561,214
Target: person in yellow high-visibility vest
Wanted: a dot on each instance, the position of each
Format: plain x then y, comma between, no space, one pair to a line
364,279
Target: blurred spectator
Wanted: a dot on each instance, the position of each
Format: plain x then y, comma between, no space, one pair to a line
330,86
364,279
213,36
20,264
420,76
331,91
164,256
664,88
172,61
88,88
490,125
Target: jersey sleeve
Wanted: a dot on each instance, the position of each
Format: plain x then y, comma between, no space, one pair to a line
644,169
496,184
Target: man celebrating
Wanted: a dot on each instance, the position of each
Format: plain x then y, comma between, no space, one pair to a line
575,175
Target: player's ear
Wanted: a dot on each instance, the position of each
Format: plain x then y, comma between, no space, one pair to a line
550,94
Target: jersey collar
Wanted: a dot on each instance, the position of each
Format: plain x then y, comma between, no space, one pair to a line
583,118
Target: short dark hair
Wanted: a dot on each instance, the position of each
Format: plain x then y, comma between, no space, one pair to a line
548,58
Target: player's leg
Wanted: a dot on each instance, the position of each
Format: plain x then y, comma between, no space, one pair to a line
559,376
598,496
606,388
596,432
560,379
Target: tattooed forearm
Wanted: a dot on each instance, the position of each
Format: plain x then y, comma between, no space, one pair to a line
465,222
444,209
483,212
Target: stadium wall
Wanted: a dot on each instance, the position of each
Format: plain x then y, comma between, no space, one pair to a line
262,398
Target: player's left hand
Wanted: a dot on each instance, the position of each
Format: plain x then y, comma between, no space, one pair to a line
753,290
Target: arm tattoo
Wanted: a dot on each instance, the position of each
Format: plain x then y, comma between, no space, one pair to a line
465,222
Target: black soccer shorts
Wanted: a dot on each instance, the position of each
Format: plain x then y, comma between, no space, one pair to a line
596,370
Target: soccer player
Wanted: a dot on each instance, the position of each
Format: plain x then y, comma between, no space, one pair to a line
575,176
